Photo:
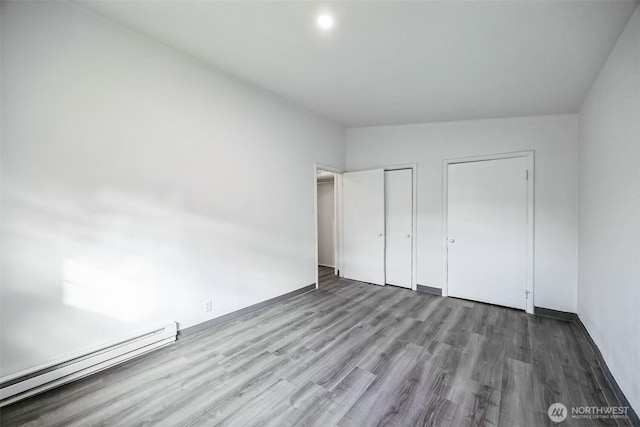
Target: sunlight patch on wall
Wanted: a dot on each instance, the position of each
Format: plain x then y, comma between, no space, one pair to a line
106,291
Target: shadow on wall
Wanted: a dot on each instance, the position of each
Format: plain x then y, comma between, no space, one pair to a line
77,273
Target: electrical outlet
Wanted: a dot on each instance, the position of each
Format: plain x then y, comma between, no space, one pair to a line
208,305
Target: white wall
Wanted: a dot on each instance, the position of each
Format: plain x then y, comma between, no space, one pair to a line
133,186
554,139
609,211
326,255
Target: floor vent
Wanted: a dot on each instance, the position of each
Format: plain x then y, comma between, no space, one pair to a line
23,384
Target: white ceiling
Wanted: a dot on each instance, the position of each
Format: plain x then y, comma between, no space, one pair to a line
389,62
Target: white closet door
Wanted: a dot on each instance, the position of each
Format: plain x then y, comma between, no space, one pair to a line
487,231
363,226
399,226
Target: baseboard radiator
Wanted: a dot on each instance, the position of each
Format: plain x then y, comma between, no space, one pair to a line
27,383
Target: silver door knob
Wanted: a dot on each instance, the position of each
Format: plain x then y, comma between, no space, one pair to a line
452,240
380,235
408,235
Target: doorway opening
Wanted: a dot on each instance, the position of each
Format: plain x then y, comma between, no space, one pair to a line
327,202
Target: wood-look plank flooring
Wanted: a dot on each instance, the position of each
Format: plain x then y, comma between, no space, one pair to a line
349,354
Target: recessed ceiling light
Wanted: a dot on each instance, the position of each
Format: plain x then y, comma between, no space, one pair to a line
325,21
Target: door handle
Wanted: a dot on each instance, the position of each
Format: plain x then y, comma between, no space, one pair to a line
380,235
452,240
408,235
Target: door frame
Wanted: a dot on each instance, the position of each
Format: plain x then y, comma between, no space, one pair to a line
530,156
332,184
414,214
337,215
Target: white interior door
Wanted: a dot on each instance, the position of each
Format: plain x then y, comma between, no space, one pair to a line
398,195
363,226
487,231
